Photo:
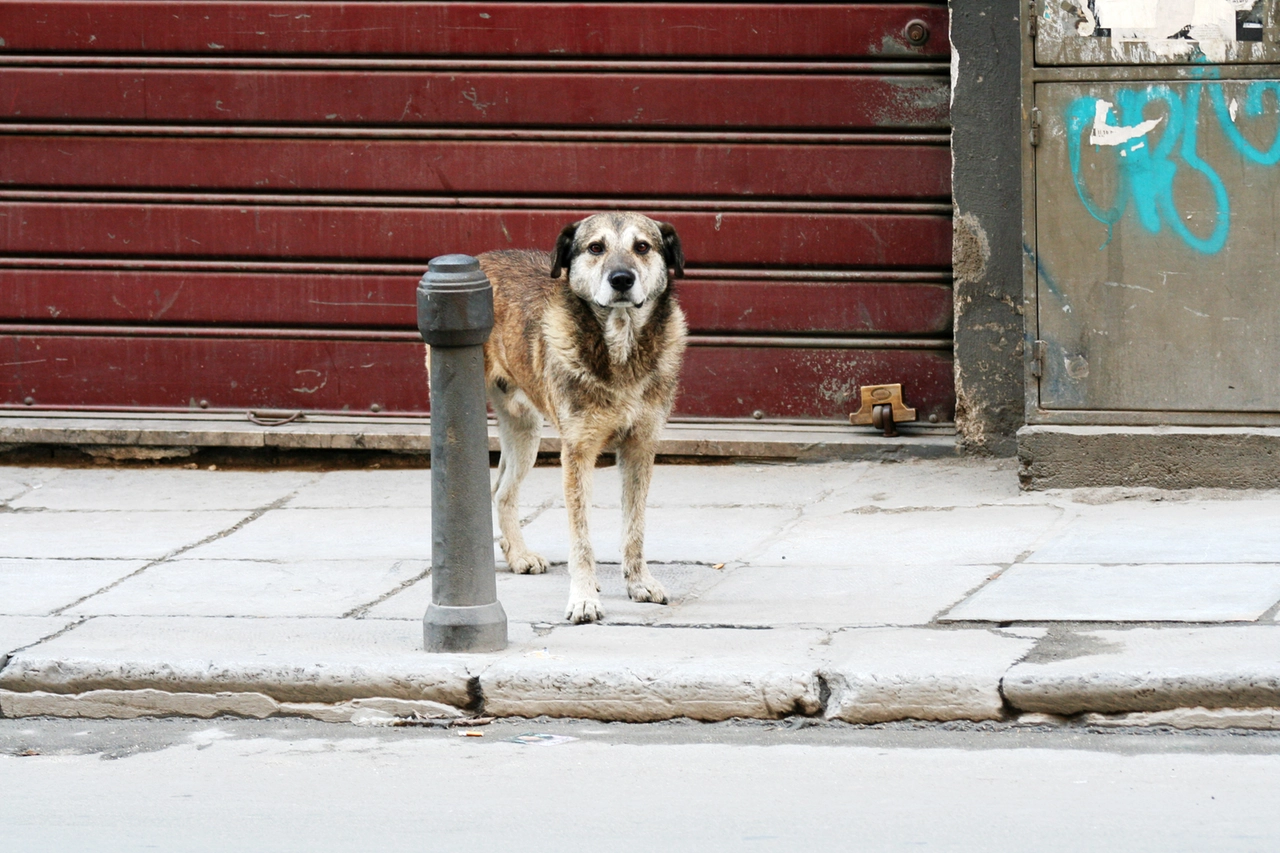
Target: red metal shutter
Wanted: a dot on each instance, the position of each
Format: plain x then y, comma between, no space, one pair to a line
228,204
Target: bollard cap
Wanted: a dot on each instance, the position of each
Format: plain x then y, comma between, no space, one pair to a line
453,271
455,302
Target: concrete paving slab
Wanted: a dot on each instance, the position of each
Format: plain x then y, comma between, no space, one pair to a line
1149,669
829,596
38,587
10,489
541,598
956,537
19,631
732,485
253,588
881,674
366,489
295,535
162,489
544,485
642,674
921,483
15,481
673,534
291,660
1163,532
374,488
1185,592
127,535
775,485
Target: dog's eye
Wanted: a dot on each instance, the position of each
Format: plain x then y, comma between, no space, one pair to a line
642,248
595,248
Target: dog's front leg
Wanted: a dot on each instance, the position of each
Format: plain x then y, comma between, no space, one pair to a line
577,460
635,458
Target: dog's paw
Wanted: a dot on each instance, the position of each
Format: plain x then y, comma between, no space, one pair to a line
647,589
527,563
582,610
523,562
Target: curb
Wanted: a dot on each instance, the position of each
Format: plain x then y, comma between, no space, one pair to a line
150,703
330,669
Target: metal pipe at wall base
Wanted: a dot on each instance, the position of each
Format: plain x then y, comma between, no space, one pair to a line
455,316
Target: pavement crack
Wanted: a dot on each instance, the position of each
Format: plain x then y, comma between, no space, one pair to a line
28,488
1002,568
362,610
874,509
780,535
221,534
1008,710
7,656
475,696
824,694
537,511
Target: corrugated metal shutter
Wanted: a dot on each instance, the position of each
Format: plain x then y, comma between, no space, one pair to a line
228,204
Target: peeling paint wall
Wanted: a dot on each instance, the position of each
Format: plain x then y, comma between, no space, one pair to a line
986,253
1126,32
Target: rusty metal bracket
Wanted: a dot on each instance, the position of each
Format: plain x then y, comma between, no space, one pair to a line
882,407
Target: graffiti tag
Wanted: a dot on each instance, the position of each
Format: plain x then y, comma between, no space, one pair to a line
1146,168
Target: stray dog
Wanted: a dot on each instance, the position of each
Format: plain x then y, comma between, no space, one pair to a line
599,353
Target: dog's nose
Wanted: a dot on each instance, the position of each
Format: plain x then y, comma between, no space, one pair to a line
622,280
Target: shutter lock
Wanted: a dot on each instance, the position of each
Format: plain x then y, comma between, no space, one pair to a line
882,407
917,32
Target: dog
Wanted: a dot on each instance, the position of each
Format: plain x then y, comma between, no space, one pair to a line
591,337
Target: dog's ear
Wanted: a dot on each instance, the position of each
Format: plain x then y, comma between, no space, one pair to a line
562,255
671,250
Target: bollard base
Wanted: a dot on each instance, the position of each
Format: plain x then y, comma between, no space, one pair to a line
482,628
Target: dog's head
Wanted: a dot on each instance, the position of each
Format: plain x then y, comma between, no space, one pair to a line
618,260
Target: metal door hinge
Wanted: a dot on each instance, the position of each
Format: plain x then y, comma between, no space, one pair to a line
1031,19
1037,358
882,407
1033,133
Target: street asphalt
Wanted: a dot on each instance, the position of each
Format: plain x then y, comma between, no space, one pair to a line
865,592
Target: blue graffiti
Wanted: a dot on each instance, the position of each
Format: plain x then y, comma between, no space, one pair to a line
1042,274
1146,170
1252,108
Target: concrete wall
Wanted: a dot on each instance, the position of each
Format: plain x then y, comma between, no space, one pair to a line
985,155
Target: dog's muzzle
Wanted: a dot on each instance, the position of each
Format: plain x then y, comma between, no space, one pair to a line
622,280
622,290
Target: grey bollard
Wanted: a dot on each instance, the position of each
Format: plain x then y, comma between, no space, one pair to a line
455,316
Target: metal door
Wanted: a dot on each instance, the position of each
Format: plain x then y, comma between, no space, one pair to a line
226,204
1154,252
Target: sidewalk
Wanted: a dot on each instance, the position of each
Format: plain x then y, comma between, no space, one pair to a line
861,591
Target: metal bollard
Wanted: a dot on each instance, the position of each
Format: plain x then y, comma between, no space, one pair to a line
455,316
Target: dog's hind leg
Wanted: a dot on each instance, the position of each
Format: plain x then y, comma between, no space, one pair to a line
635,460
519,429
578,459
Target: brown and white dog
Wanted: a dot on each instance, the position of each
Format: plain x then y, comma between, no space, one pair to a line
591,337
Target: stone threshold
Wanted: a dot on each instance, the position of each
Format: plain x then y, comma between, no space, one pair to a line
1162,457
174,435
